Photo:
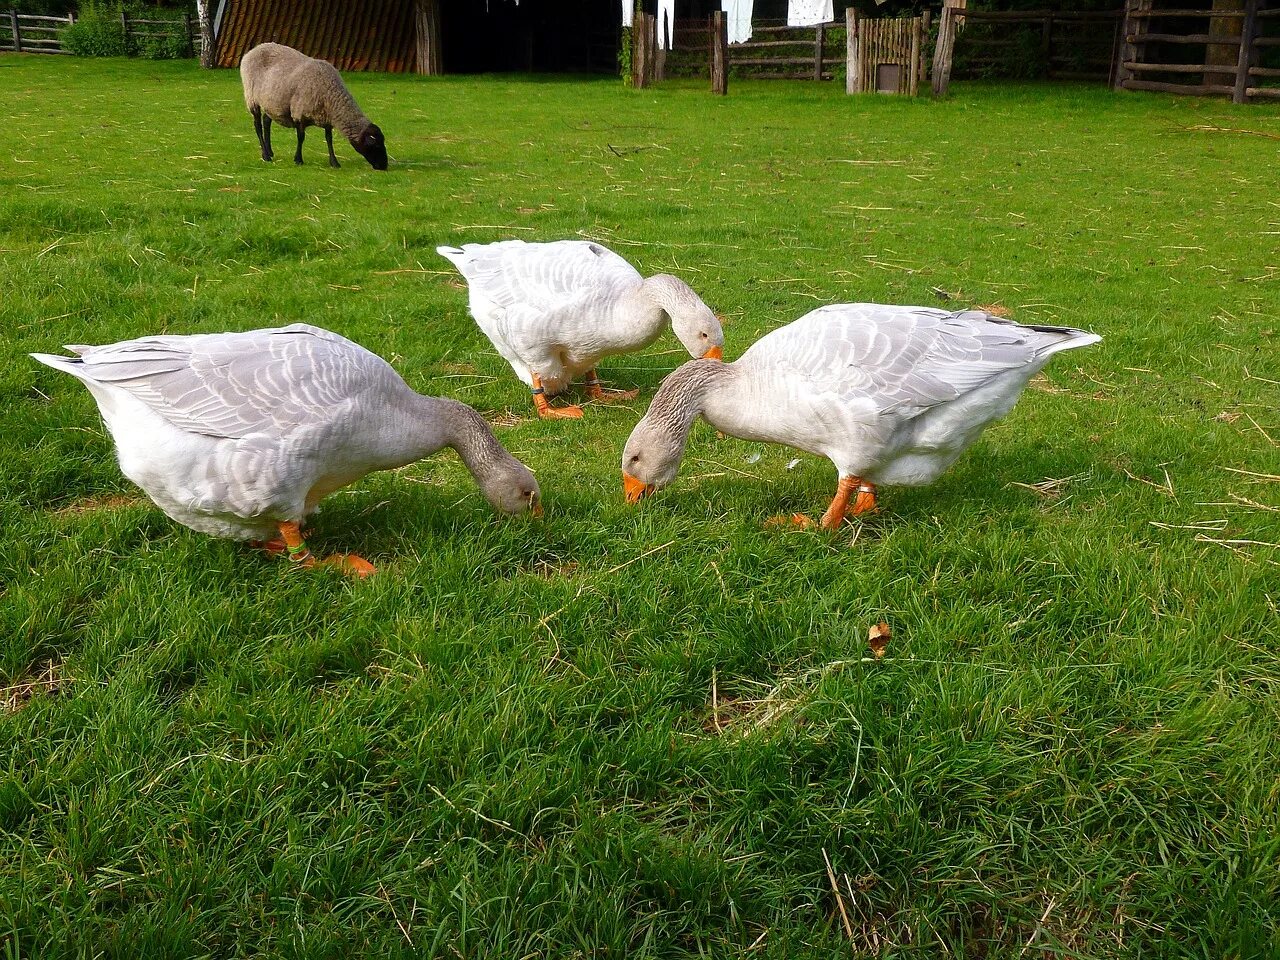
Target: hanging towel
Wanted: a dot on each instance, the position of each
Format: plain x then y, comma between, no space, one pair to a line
738,13
628,12
806,13
666,23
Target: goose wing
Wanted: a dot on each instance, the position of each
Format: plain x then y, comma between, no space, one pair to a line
907,359
541,276
232,385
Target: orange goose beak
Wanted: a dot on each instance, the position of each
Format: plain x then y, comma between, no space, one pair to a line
715,353
635,490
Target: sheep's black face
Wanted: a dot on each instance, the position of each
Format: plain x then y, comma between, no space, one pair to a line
372,147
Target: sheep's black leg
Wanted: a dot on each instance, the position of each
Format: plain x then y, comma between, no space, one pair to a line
297,157
328,139
267,155
263,143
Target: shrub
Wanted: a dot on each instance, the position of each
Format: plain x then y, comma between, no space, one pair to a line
97,33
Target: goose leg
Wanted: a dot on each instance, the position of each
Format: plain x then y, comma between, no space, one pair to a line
603,394
300,553
864,502
544,408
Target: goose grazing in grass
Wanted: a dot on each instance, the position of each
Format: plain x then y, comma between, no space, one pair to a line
240,435
553,310
891,395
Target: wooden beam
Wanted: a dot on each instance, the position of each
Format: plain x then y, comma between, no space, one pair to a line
429,59
1131,51
851,58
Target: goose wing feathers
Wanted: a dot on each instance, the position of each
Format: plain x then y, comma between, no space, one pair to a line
233,385
907,359
542,276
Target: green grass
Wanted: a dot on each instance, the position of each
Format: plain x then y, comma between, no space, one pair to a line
635,731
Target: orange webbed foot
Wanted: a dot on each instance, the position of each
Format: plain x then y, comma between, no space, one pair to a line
548,412
351,565
796,520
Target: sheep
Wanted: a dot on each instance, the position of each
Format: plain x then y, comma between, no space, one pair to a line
298,91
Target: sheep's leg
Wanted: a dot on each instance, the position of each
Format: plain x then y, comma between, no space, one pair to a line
267,155
263,144
328,139
297,157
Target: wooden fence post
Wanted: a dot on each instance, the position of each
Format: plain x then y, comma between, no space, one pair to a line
719,52
17,32
917,41
1248,34
926,20
819,41
1130,49
124,23
643,39
851,56
945,49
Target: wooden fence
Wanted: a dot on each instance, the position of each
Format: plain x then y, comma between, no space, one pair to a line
1228,44
775,51
26,33
884,54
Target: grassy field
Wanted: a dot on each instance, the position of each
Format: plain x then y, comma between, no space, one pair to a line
643,731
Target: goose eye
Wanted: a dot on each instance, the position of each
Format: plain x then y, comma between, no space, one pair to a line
703,336
635,458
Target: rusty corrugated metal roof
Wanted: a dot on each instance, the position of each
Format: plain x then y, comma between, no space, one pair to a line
350,34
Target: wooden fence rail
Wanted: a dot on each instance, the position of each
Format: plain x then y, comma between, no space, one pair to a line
28,33
1230,62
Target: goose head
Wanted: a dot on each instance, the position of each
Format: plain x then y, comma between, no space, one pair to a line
511,488
692,321
651,458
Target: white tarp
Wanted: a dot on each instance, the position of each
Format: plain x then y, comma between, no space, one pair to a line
806,13
738,13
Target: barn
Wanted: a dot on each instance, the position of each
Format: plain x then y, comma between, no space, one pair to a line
435,36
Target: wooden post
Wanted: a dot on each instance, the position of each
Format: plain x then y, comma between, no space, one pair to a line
851,56
819,40
1223,56
430,55
926,20
17,33
913,68
644,38
945,49
719,52
1248,34
124,23
1134,26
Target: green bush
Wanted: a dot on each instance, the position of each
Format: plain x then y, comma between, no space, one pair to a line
97,33
173,46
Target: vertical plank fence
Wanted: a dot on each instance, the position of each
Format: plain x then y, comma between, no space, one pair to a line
885,55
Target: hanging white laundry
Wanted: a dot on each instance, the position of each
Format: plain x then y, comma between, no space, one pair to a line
806,13
628,12
738,13
666,23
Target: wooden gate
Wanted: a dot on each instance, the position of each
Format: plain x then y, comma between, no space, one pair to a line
884,54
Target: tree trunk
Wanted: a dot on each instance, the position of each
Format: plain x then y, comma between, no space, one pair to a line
206,34
1221,55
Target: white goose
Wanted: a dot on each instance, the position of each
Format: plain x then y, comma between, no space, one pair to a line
240,435
553,310
889,394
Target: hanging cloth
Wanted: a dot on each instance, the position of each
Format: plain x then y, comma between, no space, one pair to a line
807,13
628,12
666,23
738,13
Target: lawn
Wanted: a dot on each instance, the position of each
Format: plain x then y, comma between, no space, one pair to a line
645,731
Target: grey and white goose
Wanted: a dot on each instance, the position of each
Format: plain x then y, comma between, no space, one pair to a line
241,435
890,394
554,310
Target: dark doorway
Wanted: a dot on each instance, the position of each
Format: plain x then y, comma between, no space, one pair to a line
576,36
